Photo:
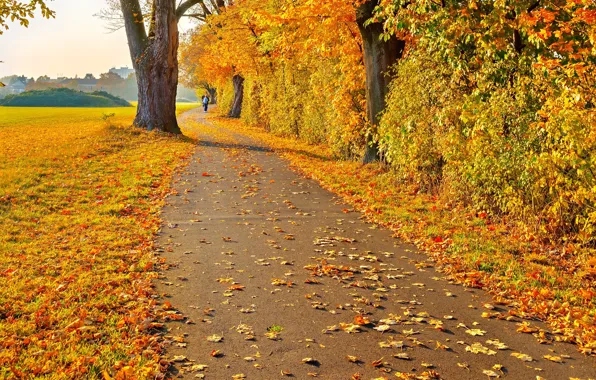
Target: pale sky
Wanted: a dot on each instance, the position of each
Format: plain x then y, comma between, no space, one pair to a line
74,43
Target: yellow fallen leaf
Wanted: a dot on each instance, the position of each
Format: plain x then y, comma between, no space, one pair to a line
350,328
477,348
310,361
179,358
556,359
215,338
475,332
522,357
464,365
353,359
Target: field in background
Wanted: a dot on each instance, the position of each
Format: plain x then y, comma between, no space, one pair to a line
80,193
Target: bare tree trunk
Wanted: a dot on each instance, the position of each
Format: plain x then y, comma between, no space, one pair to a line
155,61
212,94
236,109
379,56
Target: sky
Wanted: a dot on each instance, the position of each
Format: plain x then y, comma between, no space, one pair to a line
74,43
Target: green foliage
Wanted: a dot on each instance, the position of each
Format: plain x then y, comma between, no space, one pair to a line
64,97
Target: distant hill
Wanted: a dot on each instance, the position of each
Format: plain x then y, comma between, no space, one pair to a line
63,97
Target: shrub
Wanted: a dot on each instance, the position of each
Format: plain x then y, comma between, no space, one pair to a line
63,97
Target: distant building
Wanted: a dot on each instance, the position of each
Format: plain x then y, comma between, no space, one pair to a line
89,83
16,86
124,72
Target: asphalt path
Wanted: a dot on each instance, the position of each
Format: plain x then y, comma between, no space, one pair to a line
273,277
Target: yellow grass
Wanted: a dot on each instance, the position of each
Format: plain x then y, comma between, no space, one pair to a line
79,203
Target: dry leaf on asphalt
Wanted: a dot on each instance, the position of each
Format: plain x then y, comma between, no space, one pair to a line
522,357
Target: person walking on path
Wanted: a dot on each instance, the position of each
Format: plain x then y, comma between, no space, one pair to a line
205,102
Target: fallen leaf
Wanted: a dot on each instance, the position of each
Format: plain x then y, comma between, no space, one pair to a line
215,338
490,373
477,348
526,328
522,357
402,356
353,359
350,328
361,320
498,344
556,359
198,367
310,361
475,332
382,328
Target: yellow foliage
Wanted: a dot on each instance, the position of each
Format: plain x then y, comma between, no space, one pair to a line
78,208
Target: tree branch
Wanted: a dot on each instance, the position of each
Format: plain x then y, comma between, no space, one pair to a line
533,6
135,28
185,6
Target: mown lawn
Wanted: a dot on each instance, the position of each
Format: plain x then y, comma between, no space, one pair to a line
79,205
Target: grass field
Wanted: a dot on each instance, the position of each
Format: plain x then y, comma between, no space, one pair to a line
79,203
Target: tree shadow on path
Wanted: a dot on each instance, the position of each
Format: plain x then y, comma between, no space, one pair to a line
256,148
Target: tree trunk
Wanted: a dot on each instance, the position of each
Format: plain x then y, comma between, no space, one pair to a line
379,56
155,61
236,109
212,94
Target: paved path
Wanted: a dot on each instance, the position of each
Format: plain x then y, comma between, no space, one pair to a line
271,264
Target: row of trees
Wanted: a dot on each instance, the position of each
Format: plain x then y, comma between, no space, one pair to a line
487,102
109,82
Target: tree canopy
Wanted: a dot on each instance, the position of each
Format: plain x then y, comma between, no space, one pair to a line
492,102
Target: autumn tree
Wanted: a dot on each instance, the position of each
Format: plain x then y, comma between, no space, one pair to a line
222,47
285,35
192,71
152,33
380,54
